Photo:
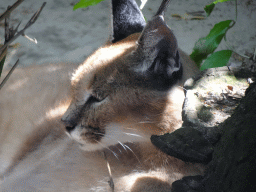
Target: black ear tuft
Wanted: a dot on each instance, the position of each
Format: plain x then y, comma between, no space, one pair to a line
165,66
158,47
127,19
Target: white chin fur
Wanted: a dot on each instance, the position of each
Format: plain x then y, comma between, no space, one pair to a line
114,134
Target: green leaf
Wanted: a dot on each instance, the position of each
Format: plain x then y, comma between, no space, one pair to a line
86,3
217,59
207,45
220,1
208,8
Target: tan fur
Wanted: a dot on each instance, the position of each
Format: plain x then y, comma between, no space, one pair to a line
34,100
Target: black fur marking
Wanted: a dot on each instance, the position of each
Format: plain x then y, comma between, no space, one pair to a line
156,81
162,8
165,71
69,129
127,19
166,64
158,46
92,99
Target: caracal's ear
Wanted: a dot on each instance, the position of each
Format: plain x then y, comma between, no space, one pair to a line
126,19
158,47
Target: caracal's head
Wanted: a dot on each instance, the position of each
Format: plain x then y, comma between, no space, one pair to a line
122,92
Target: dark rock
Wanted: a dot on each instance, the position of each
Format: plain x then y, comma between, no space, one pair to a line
186,144
234,159
188,184
233,164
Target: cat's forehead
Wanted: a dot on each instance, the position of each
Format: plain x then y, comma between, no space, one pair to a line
103,64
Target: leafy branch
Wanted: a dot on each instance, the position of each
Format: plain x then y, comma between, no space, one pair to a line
204,48
207,45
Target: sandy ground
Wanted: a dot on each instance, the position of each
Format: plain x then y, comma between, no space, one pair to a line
66,35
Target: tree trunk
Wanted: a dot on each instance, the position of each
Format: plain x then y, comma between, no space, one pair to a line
233,165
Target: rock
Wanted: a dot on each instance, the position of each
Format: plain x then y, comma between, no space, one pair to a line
233,166
187,144
188,184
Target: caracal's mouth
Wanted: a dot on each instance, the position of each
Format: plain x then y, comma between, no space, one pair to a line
90,139
85,136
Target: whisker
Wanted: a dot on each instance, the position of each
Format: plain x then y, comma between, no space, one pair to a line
110,182
117,141
111,138
133,153
104,146
145,122
119,150
122,145
132,134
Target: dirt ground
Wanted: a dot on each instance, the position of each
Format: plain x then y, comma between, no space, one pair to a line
65,35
